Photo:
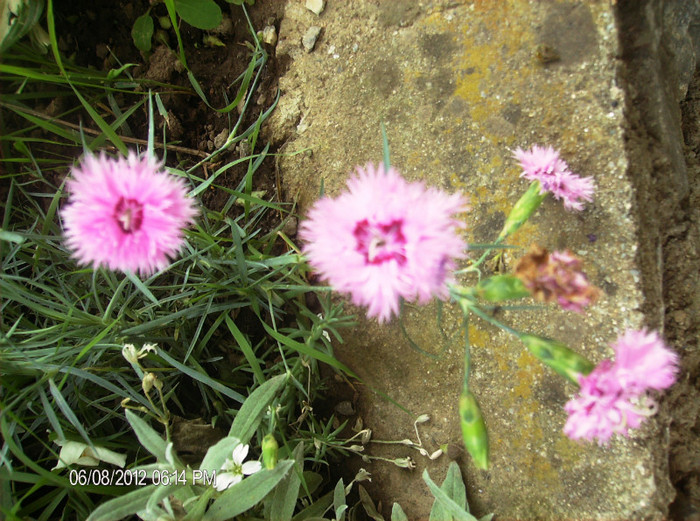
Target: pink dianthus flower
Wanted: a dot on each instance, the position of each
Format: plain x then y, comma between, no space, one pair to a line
385,239
544,165
644,362
613,397
126,214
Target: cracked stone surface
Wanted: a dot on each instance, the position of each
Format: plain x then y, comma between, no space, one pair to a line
459,85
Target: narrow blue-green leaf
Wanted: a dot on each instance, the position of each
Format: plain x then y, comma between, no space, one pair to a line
248,418
142,288
246,348
306,350
385,148
452,508
151,126
149,438
96,340
201,377
11,237
51,414
68,412
114,300
246,494
52,128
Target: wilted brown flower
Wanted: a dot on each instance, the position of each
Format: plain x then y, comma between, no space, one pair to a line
556,277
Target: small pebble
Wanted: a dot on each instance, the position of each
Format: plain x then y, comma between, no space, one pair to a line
220,139
101,50
290,227
269,35
225,27
310,37
345,408
316,6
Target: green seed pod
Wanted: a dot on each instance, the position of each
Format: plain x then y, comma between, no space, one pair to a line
557,356
269,451
523,209
501,287
476,439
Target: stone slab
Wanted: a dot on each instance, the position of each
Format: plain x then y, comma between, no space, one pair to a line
459,85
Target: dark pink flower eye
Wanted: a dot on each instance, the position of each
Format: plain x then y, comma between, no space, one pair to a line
385,239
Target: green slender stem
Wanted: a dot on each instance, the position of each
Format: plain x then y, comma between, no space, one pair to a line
467,353
486,253
478,312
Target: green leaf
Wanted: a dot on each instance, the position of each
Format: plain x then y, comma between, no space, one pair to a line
11,236
28,15
218,453
149,438
385,151
202,14
245,347
126,505
315,509
142,287
368,504
397,513
246,494
67,411
200,375
339,504
451,508
453,486
284,497
142,32
248,418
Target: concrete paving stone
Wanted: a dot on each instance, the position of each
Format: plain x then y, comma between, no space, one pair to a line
459,85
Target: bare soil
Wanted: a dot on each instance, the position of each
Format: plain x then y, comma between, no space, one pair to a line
98,36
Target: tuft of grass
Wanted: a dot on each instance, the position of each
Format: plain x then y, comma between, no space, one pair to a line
227,316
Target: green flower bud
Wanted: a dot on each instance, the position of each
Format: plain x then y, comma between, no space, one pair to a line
501,287
474,433
269,451
147,382
165,23
523,209
557,356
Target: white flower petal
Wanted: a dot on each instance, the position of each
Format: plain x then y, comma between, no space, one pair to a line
239,454
251,467
226,480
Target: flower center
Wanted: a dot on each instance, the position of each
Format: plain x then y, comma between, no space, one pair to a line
129,215
380,242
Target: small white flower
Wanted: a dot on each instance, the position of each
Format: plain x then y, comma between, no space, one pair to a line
133,356
234,468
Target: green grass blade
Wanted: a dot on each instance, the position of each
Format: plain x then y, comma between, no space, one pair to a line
68,412
247,349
